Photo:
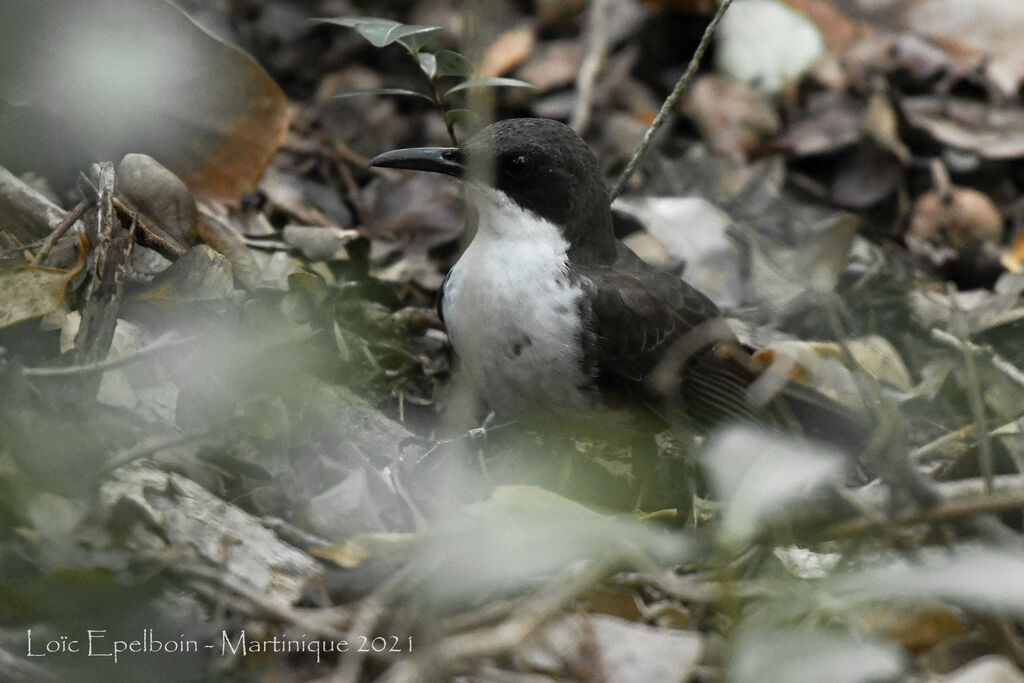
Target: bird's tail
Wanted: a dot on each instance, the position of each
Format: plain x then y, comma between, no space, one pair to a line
717,386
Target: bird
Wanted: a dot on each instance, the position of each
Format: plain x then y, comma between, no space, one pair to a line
555,322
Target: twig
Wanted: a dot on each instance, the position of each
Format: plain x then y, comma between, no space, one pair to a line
460,650
303,619
365,622
145,234
670,101
69,219
448,122
597,48
1006,367
104,286
148,448
974,397
690,589
986,502
959,435
159,345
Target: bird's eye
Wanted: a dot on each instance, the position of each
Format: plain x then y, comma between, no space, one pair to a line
519,166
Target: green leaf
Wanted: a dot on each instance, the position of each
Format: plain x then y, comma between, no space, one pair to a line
428,64
415,37
490,83
451,63
374,30
466,117
383,91
381,32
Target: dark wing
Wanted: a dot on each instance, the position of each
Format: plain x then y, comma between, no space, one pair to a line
635,315
639,318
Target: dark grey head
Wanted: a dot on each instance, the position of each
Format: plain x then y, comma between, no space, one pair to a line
541,165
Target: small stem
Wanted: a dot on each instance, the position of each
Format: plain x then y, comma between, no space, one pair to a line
440,107
670,101
69,219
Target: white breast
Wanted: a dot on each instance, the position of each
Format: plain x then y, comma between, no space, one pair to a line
512,313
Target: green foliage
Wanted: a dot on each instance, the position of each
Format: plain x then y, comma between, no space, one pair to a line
434,65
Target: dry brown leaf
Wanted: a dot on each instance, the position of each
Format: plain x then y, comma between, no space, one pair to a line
508,51
1013,259
136,76
30,292
838,31
957,218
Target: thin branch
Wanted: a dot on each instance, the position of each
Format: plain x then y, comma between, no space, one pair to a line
1006,367
996,501
144,233
366,619
326,623
974,397
163,343
597,47
65,224
670,101
457,651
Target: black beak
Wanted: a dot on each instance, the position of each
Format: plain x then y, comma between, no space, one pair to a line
435,159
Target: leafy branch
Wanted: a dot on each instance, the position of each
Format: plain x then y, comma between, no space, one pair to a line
434,65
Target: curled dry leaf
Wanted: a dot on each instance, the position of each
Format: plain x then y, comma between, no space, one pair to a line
164,87
992,132
957,217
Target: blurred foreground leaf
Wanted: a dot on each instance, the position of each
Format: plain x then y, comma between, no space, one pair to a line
522,535
760,476
792,656
77,87
981,578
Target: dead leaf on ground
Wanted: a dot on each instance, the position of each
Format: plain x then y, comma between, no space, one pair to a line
989,27
867,176
552,65
730,116
993,132
829,123
30,292
957,218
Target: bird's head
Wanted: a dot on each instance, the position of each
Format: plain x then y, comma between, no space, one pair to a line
539,166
